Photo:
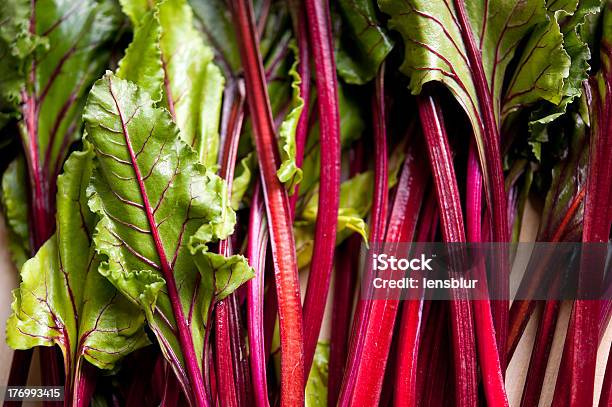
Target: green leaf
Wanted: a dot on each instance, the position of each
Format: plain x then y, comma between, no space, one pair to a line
14,201
316,387
16,43
135,9
142,61
225,274
434,49
573,15
157,205
288,172
62,299
541,70
363,43
355,202
242,180
168,55
74,35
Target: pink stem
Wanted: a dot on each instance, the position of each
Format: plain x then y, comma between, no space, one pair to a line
452,231
256,253
321,263
277,208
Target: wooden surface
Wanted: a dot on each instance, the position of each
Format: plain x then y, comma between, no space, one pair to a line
516,371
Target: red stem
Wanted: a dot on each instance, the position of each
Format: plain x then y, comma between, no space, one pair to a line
301,133
433,356
449,205
366,386
344,290
256,253
184,333
575,384
277,207
540,354
329,182
225,360
411,328
377,231
605,398
496,194
491,371
84,383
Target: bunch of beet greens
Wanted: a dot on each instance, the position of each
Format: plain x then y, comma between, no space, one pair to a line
182,181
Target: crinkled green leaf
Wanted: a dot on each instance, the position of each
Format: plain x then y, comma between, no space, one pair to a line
136,9
169,55
316,387
363,42
148,182
572,14
16,43
62,299
14,201
142,62
226,274
541,70
288,172
434,48
242,180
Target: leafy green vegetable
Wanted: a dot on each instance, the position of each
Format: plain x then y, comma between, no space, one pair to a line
572,15
14,194
169,59
355,203
63,300
289,173
157,206
242,179
363,42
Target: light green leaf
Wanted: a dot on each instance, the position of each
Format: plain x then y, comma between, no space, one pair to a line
226,274
573,15
148,182
14,201
242,180
541,69
363,43
136,9
142,62
16,43
62,299
316,387
355,202
169,55
289,173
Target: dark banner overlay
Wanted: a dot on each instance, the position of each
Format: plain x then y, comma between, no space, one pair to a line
446,271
